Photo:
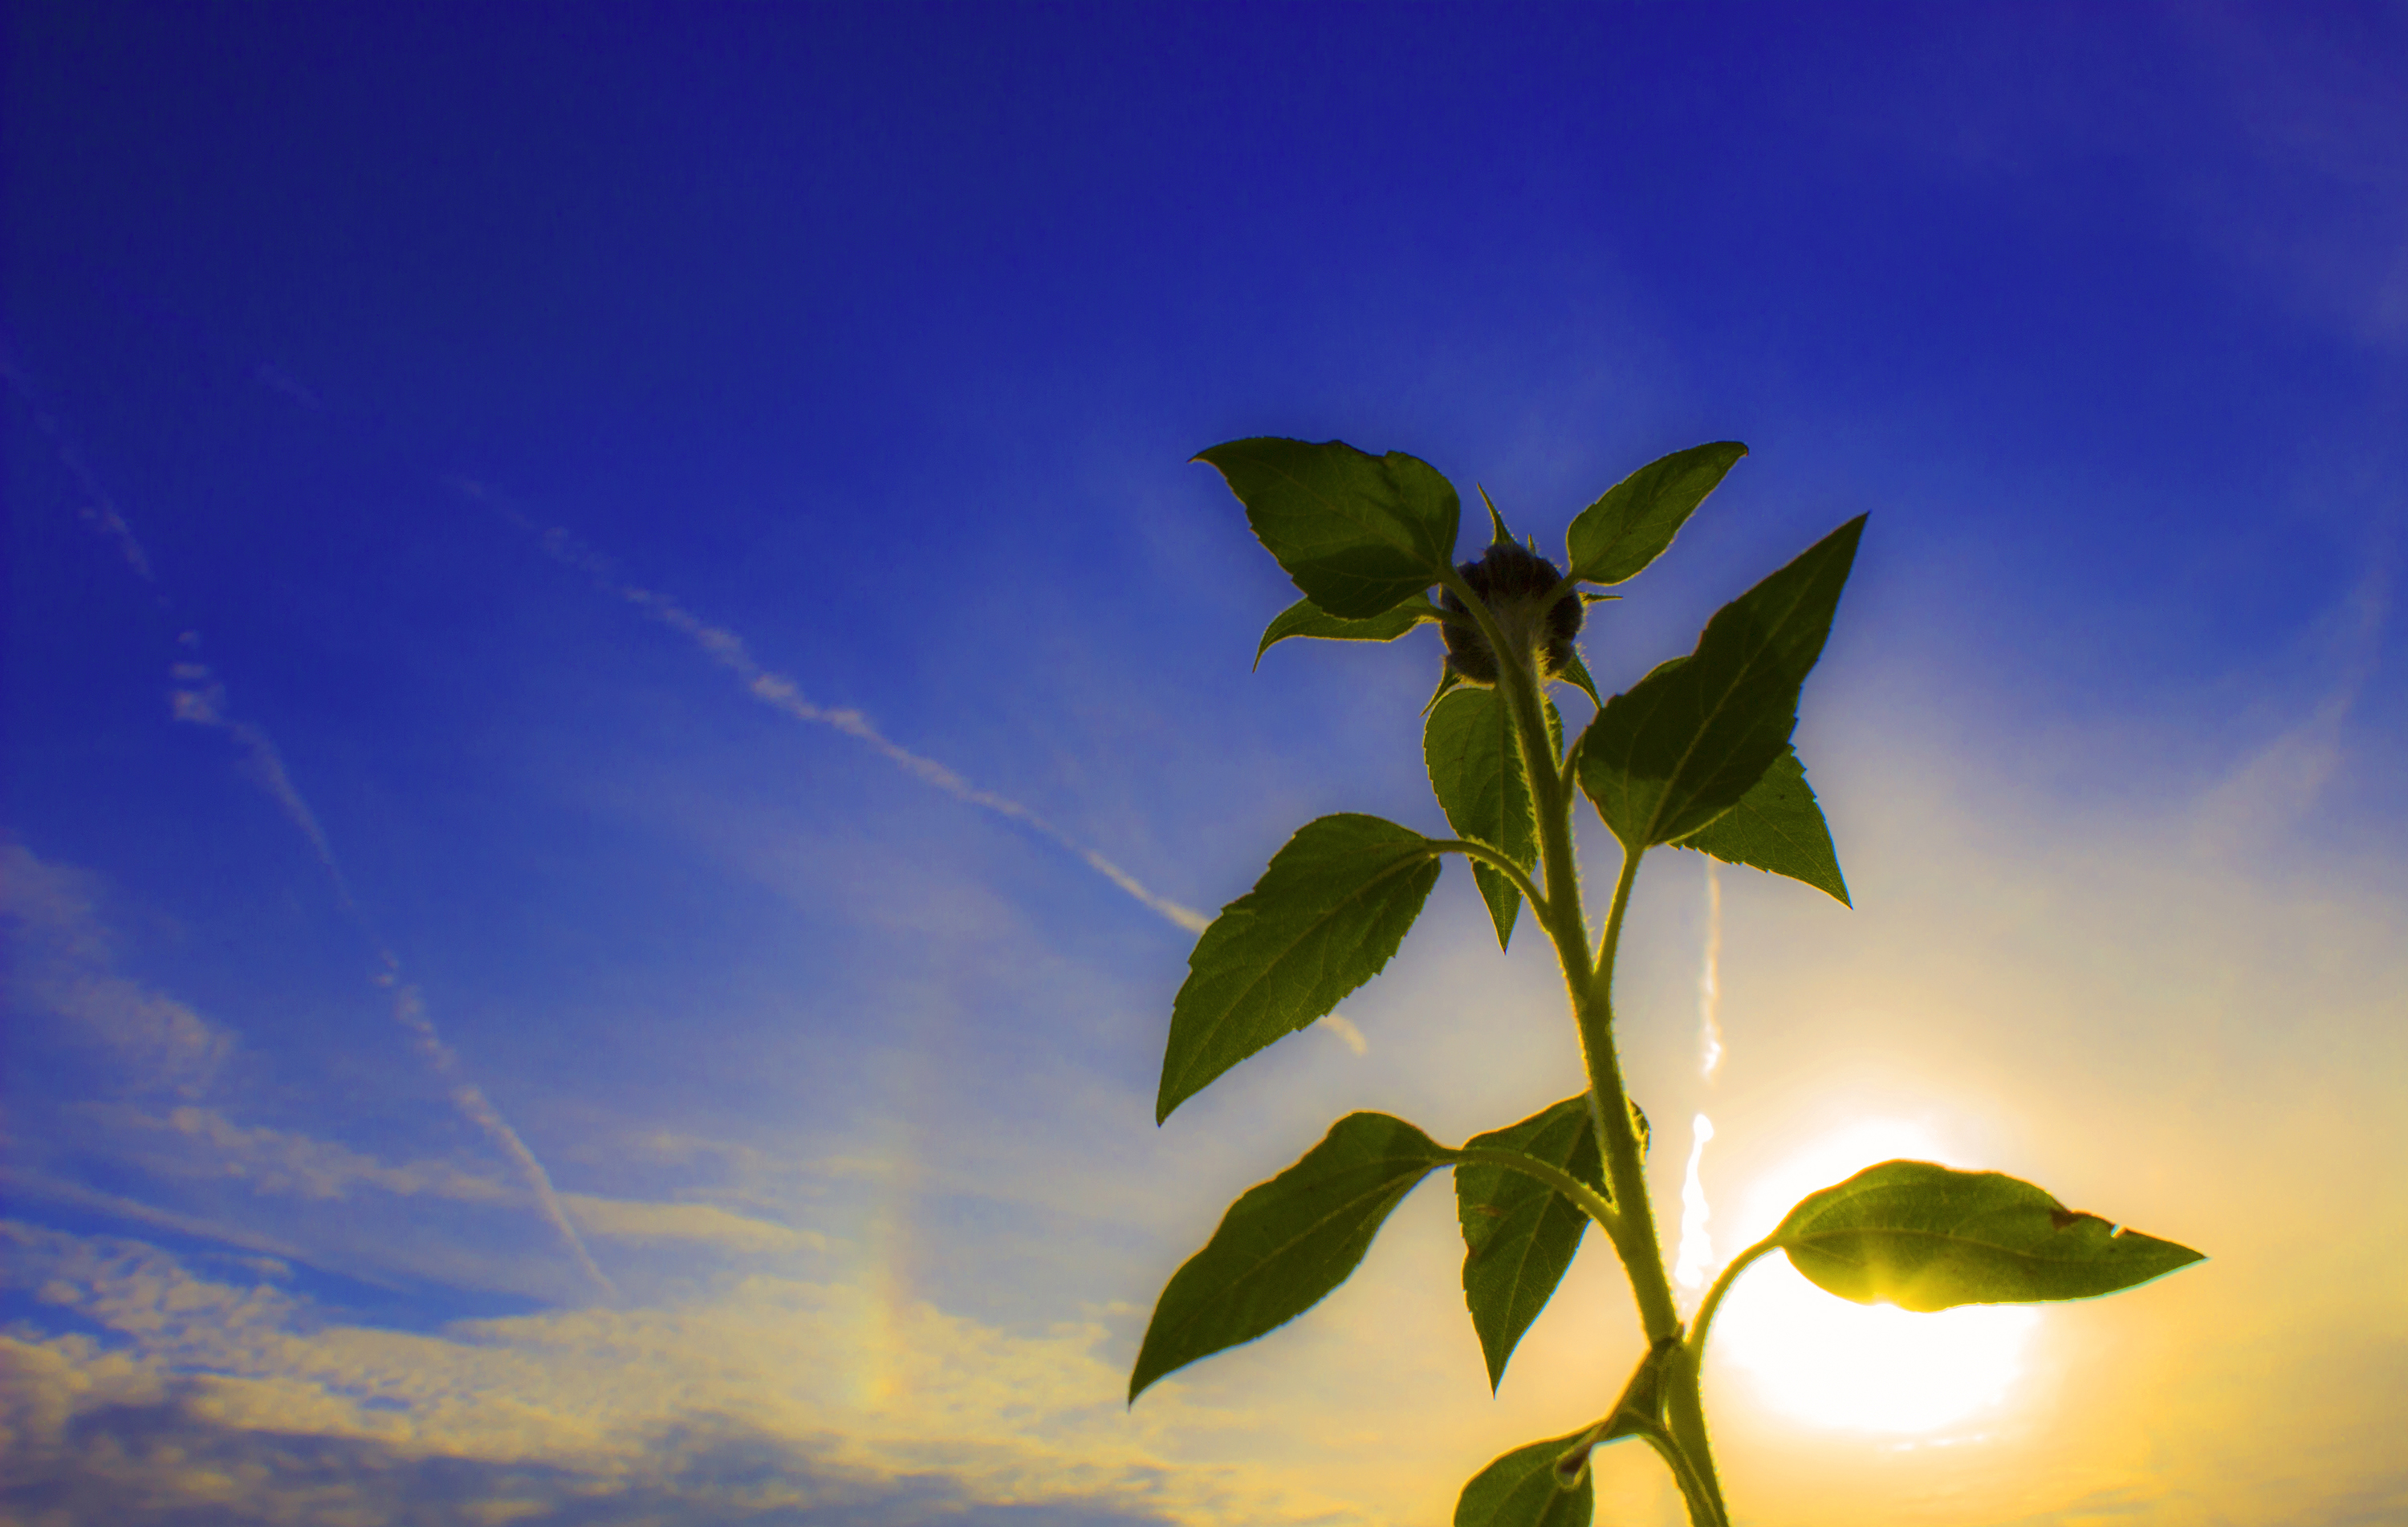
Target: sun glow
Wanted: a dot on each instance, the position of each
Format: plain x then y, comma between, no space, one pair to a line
1818,1358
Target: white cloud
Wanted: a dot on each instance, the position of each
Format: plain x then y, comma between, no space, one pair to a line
61,966
631,1219
830,1381
197,1142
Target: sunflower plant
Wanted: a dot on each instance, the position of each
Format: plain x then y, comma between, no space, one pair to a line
1695,755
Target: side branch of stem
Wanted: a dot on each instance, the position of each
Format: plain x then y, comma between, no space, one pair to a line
1502,863
1592,1202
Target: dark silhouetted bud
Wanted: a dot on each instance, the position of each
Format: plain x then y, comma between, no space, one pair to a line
1512,581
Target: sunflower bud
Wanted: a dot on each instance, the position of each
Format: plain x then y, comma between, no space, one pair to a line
1510,580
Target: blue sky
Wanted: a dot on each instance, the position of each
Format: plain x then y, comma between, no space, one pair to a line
584,581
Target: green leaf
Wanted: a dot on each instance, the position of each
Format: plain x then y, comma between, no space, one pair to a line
1518,1234
1576,672
1614,538
1686,742
1286,1242
1306,618
1927,1238
1777,827
1332,907
1475,767
1447,680
1519,1490
1495,521
1359,533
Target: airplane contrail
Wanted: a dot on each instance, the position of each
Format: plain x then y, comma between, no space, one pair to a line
200,700
95,507
781,692
1695,1260
410,1011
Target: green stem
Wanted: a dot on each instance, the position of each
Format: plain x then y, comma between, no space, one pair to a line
1684,1414
1590,983
1593,1006
1698,1491
1594,1204
1642,1256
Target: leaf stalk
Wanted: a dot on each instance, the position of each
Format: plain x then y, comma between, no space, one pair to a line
1499,862
1696,1341
1592,1202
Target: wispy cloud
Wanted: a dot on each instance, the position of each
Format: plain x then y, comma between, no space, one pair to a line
30,1185
157,1157
783,693
711,1411
631,1220
60,963
2316,95
204,1142
199,698
2280,780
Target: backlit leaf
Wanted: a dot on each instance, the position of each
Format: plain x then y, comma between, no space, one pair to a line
1286,1242
1682,746
1777,827
1447,680
1614,538
1475,767
1324,918
1576,674
1306,618
1518,1233
1359,533
1495,521
1519,1490
1926,1237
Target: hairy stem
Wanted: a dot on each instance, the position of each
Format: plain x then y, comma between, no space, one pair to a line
1698,1491
1592,1202
1642,1255
1593,1006
1501,864
1590,982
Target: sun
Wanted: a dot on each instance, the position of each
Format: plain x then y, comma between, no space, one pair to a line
1818,1358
